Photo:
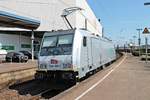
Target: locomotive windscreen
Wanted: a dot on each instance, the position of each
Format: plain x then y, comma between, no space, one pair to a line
57,45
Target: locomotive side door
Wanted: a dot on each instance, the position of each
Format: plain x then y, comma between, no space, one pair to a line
89,50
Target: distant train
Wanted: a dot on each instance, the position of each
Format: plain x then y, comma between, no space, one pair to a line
72,54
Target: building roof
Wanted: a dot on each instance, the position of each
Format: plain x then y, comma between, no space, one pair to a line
16,21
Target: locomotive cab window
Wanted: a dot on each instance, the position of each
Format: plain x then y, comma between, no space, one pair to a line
84,41
57,45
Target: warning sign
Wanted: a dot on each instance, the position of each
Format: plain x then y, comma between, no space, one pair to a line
146,31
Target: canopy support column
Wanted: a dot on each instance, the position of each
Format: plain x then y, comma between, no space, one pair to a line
32,44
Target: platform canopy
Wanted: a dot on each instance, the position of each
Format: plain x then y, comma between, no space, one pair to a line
16,21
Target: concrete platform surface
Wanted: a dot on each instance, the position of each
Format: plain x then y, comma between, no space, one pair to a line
126,79
8,67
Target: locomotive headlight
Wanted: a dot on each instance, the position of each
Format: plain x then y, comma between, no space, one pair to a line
68,65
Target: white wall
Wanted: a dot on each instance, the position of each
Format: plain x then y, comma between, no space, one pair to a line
49,12
14,40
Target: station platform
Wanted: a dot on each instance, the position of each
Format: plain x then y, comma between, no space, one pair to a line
13,73
126,79
9,67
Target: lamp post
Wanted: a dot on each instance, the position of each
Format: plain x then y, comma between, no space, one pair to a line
134,38
146,46
139,40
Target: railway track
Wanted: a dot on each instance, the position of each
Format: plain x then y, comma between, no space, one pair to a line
35,89
39,89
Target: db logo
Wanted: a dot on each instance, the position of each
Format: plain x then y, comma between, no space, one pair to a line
54,61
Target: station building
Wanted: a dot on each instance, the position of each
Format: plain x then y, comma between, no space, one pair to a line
48,13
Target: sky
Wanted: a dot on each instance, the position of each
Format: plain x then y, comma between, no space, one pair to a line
121,18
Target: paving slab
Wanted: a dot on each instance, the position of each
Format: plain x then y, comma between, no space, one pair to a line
8,67
126,79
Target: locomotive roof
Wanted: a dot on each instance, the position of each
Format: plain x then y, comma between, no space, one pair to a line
59,32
